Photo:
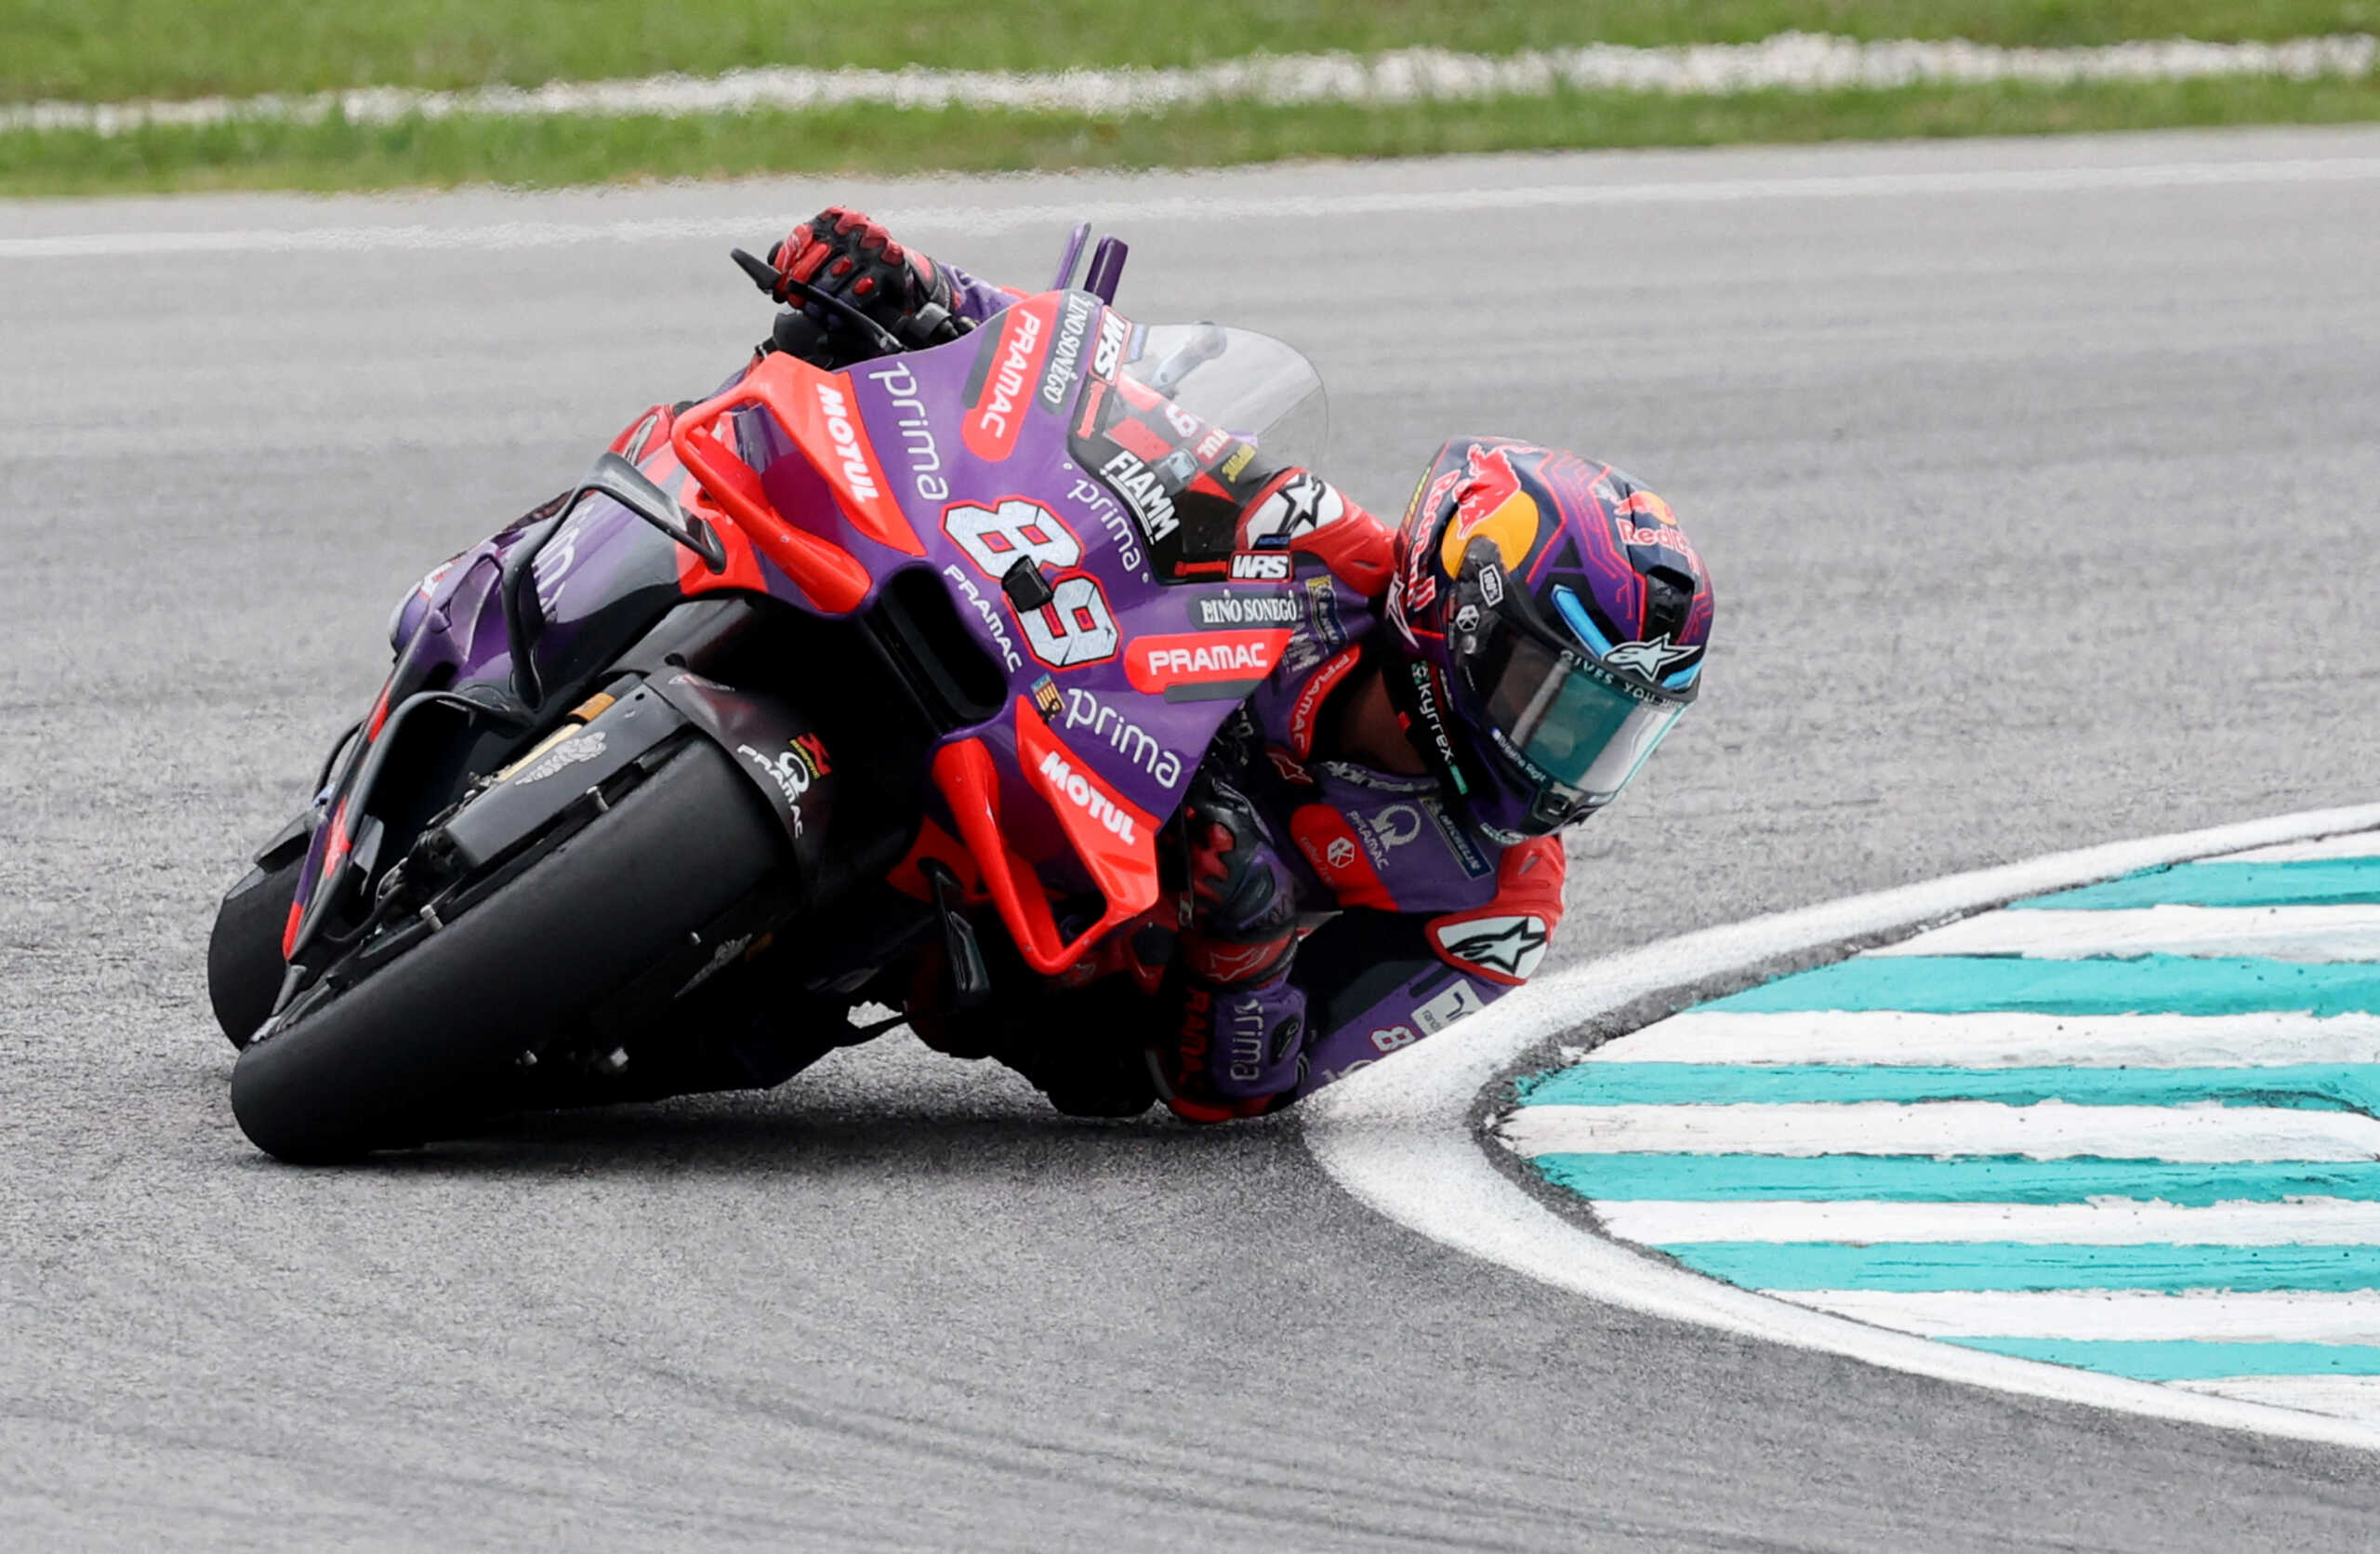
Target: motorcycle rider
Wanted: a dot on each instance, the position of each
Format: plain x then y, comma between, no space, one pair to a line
1370,849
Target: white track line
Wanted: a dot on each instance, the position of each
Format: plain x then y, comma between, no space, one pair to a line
1993,1040
2282,933
1398,1135
2280,1317
2356,845
2302,1222
2049,1130
961,218
2343,1397
1789,61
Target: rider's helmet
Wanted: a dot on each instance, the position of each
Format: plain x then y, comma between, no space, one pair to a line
1557,618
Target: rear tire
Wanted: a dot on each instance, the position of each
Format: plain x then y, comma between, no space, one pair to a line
429,1043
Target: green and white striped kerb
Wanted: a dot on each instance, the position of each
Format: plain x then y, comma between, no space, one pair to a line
2129,1128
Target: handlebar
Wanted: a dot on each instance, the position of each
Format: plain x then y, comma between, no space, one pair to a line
772,281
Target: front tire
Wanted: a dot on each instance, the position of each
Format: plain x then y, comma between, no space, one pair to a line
427,1043
243,963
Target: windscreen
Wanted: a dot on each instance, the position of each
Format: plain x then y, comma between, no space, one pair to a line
1251,384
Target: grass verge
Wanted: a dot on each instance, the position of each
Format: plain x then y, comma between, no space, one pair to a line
548,152
100,50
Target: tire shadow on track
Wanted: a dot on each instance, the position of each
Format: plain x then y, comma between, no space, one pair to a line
786,1137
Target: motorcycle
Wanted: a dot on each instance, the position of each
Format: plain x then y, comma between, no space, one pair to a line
832,676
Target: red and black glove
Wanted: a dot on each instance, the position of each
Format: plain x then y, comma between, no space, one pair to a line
1238,1047
849,256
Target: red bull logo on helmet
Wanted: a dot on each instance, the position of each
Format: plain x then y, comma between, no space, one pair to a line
1661,532
1490,504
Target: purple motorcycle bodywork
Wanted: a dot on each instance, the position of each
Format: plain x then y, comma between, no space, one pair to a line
604,575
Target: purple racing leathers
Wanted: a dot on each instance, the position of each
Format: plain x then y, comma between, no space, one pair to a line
1333,913
1429,920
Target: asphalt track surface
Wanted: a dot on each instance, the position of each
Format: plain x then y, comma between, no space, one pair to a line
2039,518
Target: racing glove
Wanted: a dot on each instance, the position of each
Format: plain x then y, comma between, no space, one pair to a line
1239,1036
848,255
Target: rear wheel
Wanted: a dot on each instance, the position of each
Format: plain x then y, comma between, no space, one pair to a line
432,1040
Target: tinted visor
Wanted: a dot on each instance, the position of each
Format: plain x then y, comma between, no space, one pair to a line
1574,721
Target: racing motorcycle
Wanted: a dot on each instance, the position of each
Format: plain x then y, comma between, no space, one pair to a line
832,676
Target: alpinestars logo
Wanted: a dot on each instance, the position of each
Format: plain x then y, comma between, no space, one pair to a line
1306,502
1509,947
1650,660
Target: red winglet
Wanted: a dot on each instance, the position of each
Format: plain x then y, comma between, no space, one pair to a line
1115,839
816,409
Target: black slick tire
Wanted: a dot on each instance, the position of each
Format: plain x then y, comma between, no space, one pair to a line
424,1045
243,963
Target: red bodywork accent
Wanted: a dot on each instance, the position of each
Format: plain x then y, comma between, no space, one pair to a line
380,711
1330,846
810,405
642,435
1115,839
992,423
1120,954
909,875
743,562
334,853
1202,659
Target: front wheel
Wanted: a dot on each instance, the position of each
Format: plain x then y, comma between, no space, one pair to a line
428,1042
244,965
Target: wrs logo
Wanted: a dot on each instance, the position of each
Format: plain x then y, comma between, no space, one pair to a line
991,427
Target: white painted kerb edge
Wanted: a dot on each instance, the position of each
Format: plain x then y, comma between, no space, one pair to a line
1399,1135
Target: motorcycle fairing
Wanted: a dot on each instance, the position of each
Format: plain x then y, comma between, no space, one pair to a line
600,581
1191,480
972,441
824,488
773,745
